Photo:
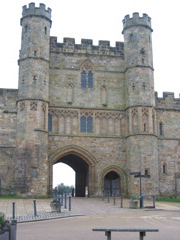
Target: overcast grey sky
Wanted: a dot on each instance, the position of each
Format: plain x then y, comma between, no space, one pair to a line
98,20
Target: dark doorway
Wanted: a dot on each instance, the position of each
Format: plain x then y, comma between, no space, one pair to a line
81,169
112,184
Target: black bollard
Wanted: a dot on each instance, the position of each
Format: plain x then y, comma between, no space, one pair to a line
108,197
114,195
65,201
35,211
59,205
141,201
69,203
62,198
121,201
154,201
13,210
103,196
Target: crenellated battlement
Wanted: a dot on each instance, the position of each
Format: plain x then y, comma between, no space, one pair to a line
136,20
86,46
36,11
167,101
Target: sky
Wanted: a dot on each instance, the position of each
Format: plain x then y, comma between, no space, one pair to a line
98,20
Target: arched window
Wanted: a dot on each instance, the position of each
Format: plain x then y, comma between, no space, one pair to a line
89,124
86,124
90,80
26,28
164,168
161,129
83,80
83,124
87,75
45,30
49,123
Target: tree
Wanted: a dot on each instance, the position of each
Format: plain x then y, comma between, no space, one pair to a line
65,189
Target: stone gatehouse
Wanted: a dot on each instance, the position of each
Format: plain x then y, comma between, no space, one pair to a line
91,107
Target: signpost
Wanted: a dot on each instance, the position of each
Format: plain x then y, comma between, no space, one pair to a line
139,175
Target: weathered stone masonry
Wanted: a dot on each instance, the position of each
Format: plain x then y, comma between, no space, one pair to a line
91,107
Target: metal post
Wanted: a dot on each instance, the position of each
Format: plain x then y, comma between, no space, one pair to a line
62,198
121,201
0,186
35,211
103,196
59,204
69,203
13,210
65,201
108,197
114,194
154,201
141,197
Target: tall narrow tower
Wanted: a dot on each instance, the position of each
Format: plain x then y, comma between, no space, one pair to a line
32,136
142,153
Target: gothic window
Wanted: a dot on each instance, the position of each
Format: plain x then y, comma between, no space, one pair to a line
83,80
26,28
45,30
146,172
89,124
164,168
90,80
49,123
87,75
83,124
161,129
86,124
131,37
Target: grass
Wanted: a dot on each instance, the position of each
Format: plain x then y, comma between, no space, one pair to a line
10,197
168,199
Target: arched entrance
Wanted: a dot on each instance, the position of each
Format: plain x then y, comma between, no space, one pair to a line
114,180
112,183
82,162
81,169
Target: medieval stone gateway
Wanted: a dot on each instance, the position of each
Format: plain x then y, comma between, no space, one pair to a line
91,107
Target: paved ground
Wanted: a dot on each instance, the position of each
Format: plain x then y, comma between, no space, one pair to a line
88,213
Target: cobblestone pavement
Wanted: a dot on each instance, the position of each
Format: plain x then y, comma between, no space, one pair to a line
24,208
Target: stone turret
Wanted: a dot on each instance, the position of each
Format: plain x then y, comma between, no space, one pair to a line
33,95
140,102
139,60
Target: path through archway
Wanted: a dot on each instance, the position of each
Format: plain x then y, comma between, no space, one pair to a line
81,169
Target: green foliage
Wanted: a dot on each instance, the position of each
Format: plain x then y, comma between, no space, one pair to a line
168,199
4,224
64,188
2,218
10,197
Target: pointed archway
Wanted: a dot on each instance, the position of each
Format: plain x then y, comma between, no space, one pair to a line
83,164
112,183
114,180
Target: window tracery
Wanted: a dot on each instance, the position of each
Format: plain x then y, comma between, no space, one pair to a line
87,75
